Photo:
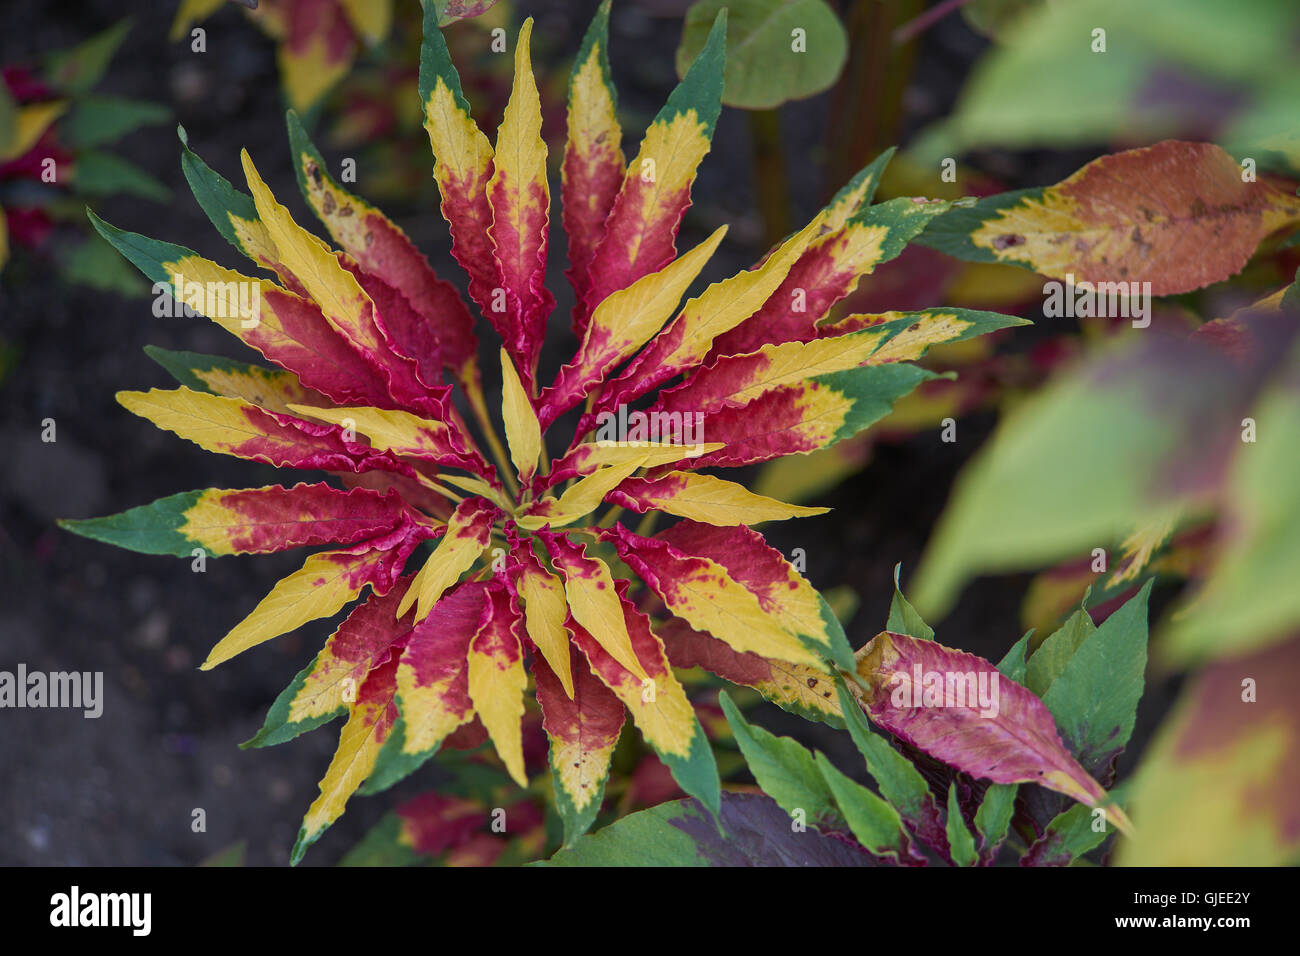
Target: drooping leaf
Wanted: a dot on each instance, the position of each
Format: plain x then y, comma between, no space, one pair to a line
703,592
798,688
1143,215
593,601
320,588
433,695
497,678
953,706
657,702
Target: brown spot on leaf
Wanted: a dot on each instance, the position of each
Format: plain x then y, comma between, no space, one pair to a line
1008,240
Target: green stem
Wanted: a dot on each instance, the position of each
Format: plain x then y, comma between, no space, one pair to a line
769,174
479,407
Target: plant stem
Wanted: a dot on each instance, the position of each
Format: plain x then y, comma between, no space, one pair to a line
926,20
769,174
479,407
647,524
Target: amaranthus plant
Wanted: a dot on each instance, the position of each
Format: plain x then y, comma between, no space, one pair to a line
969,781
523,577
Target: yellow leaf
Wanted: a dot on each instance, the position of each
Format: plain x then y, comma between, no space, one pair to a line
340,297
496,686
523,432
582,499
714,501
318,589
370,18
30,123
545,610
467,535
595,605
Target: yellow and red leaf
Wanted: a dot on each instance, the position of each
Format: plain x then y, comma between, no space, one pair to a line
520,200
642,225
594,166
497,679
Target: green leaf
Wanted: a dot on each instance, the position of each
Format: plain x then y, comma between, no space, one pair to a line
960,841
96,120
1014,665
94,263
1054,653
103,174
681,833
992,17
1071,834
217,197
784,769
874,823
1046,86
899,781
1074,467
382,846
183,367
77,70
277,728
8,120
1095,698
148,529
994,815
903,618
777,50
1250,599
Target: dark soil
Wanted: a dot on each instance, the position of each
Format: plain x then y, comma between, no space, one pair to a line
123,789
